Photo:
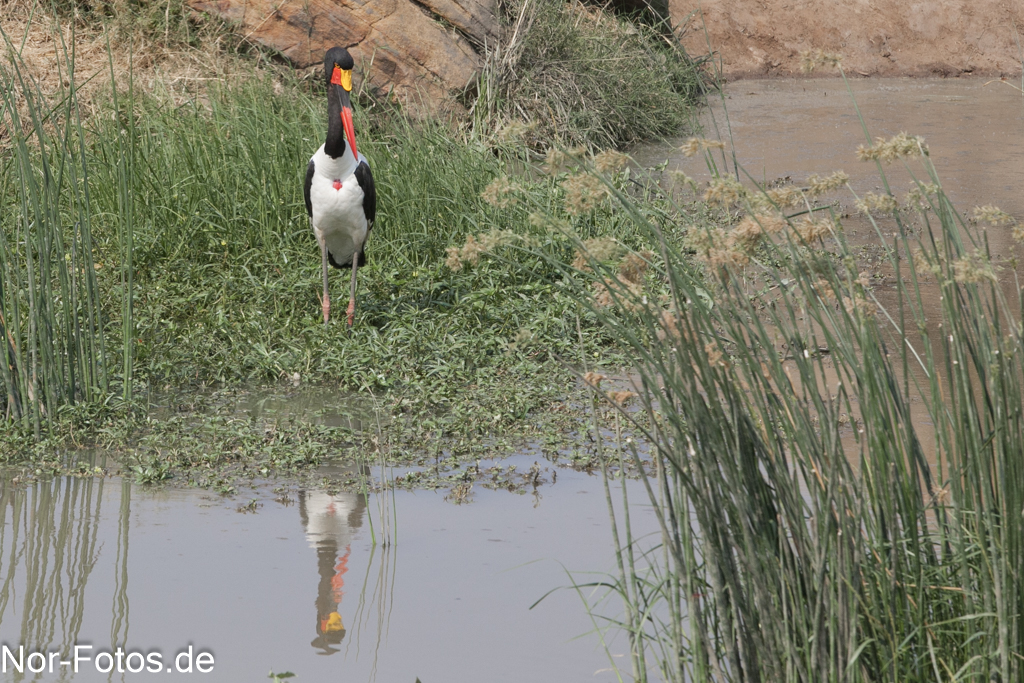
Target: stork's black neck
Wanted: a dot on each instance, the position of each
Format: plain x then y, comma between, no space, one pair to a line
335,145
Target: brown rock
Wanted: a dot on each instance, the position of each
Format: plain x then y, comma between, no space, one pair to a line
421,52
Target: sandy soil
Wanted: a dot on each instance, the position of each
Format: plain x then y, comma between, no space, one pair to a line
170,68
757,38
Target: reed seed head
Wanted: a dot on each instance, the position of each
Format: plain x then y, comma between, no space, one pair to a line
724,192
825,291
550,224
896,147
669,325
811,230
751,229
974,268
717,248
599,249
514,131
633,266
923,265
610,161
457,256
583,192
730,256
475,246
695,146
884,203
499,193
555,161
748,232
714,354
620,398
992,215
918,196
785,196
812,59
859,304
817,186
627,295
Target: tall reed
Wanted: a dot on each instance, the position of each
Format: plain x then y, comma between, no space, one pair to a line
51,304
805,534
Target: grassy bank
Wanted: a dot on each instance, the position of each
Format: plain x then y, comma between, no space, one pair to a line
579,75
203,273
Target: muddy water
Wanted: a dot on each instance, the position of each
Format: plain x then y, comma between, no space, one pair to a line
786,130
794,128
310,404
291,580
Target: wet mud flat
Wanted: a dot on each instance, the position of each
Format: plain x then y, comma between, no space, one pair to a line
326,585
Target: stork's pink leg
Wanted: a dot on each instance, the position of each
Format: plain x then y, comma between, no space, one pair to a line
326,301
352,294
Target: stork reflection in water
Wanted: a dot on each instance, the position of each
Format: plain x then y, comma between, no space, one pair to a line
330,522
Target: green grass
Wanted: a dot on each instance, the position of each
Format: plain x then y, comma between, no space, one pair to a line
206,271
582,76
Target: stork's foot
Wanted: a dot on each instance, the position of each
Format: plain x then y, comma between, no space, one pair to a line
325,302
351,312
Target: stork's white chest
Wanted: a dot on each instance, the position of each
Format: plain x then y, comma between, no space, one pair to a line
336,198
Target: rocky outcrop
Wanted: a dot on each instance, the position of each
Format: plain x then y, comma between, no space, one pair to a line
422,52
875,37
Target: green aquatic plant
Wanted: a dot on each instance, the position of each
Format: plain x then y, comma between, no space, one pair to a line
807,531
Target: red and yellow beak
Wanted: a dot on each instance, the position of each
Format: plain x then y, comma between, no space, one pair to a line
343,77
350,131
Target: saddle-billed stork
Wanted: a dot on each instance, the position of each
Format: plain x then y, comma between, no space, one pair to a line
340,198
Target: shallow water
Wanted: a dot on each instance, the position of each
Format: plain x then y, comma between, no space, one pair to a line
260,405
787,130
793,128
293,581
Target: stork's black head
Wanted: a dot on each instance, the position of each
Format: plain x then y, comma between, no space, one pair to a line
338,65
337,57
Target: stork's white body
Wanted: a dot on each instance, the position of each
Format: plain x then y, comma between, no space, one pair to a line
339,220
340,196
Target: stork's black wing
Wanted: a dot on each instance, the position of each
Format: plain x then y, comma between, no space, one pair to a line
309,183
365,180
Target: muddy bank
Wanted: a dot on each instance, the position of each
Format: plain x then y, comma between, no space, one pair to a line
757,38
